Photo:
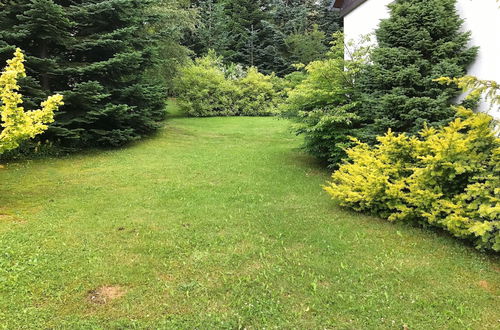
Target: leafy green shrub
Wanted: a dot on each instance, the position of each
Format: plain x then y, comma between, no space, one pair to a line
322,102
307,46
203,90
292,80
208,88
256,94
449,178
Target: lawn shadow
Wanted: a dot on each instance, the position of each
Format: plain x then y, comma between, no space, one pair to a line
425,232
173,110
300,158
31,150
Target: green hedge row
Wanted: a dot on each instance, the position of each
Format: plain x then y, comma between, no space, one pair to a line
207,88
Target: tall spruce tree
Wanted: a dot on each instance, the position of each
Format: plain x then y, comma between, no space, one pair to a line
245,22
211,31
95,52
41,28
421,41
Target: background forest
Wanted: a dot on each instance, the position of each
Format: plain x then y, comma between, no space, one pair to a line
271,35
115,61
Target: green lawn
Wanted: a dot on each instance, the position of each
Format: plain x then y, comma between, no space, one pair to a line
220,223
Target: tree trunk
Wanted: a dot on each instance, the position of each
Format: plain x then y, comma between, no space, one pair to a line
45,76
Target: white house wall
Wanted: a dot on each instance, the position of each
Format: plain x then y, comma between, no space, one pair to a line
482,18
365,19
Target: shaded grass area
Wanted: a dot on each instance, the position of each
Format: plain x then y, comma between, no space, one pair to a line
220,222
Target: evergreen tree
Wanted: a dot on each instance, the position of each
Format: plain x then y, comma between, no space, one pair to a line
245,22
172,19
96,53
41,28
328,21
272,54
307,47
292,16
307,25
421,41
211,32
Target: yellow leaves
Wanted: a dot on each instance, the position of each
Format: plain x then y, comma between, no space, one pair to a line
367,181
17,124
481,228
449,178
489,88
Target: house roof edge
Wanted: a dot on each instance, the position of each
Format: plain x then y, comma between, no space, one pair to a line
349,6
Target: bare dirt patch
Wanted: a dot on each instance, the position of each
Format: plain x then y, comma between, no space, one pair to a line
10,218
492,288
5,217
484,285
105,294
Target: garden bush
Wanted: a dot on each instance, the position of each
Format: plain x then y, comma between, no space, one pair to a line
17,124
362,93
208,88
448,178
203,90
323,99
256,95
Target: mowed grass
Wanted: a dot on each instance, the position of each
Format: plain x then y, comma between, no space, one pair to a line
220,223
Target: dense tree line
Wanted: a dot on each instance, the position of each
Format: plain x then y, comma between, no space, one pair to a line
269,34
114,60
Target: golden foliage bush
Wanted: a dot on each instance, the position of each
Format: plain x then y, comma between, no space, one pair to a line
19,125
448,178
207,88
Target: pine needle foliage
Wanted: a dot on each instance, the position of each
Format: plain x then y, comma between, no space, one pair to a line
96,54
419,42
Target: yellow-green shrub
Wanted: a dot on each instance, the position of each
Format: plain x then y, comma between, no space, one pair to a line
203,89
323,100
256,94
208,88
19,125
448,178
